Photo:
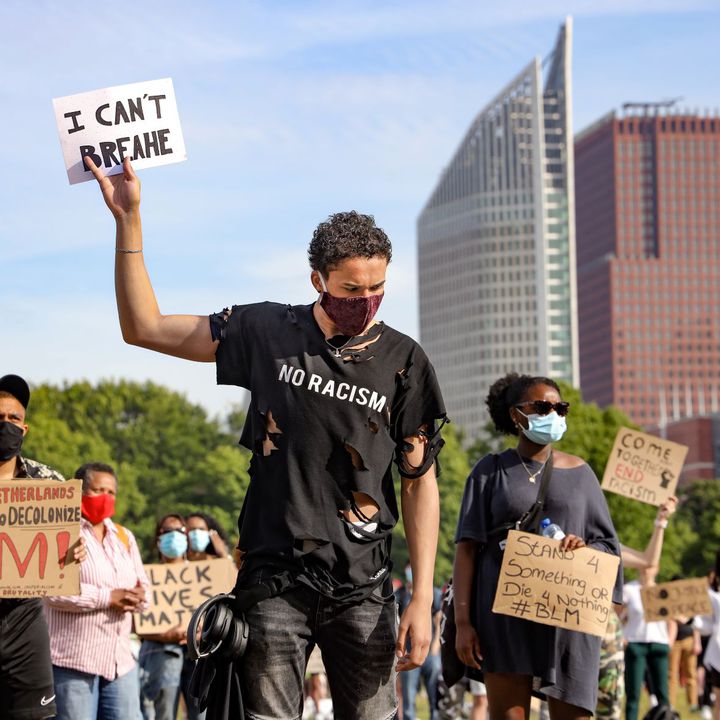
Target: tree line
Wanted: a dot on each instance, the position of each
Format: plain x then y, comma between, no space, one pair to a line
171,456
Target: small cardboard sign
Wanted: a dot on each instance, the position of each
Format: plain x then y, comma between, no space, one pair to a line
139,120
178,589
643,467
571,589
39,529
676,599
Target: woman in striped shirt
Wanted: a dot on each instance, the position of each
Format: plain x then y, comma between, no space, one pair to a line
94,671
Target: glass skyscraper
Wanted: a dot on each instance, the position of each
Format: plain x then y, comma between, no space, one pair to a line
496,243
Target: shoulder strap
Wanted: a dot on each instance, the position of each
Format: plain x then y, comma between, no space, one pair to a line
122,535
530,519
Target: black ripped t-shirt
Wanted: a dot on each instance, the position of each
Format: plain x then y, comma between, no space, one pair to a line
322,424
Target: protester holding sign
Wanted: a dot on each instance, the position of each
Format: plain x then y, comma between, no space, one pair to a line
611,684
648,646
336,396
26,681
161,655
206,540
514,652
96,675
712,653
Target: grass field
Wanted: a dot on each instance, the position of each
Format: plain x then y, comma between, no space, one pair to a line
682,707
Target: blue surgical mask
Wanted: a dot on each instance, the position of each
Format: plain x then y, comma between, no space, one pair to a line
199,539
544,429
173,544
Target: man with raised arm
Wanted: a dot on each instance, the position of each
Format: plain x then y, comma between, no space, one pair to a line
335,397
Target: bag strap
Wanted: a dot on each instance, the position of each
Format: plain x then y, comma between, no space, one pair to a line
529,521
122,535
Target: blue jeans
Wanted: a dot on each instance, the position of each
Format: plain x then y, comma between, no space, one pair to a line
429,673
160,670
81,696
357,642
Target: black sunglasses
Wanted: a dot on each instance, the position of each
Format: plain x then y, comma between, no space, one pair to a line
543,407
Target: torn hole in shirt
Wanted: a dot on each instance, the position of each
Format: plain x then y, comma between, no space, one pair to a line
272,431
361,520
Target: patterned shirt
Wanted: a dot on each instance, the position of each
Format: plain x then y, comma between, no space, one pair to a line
86,634
27,468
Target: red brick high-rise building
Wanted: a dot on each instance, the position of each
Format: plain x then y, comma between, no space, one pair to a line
647,190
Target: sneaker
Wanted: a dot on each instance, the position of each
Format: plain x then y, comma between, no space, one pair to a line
706,712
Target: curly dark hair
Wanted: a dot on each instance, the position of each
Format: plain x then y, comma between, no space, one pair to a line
508,391
347,235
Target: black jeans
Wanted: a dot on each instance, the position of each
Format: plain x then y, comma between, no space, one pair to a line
357,642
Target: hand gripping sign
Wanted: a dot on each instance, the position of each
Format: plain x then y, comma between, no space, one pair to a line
139,121
571,589
643,467
39,529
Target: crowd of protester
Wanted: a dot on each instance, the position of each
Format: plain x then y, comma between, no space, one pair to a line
101,669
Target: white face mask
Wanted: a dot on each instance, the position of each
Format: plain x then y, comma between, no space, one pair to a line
544,429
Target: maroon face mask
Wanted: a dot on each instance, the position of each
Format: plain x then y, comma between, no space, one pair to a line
351,315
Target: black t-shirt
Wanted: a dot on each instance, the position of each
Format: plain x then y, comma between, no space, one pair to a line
321,425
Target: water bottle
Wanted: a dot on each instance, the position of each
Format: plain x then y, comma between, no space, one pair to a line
551,530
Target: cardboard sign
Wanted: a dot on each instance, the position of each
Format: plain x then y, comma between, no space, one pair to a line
138,120
643,467
39,528
177,589
676,599
570,589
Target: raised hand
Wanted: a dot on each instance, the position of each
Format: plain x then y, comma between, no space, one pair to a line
122,191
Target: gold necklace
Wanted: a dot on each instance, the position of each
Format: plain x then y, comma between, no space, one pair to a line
531,476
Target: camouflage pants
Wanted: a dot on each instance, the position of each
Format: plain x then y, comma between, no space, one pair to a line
611,683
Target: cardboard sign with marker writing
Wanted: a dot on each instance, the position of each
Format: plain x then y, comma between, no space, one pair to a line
177,589
139,120
569,589
643,467
39,529
676,599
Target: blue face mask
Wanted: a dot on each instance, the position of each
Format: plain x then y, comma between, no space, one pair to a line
199,539
173,544
544,429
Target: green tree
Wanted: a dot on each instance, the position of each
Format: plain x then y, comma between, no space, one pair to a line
169,455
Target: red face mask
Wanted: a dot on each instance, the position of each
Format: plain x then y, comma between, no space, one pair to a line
351,315
96,508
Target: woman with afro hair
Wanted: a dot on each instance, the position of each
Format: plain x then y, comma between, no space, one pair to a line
520,656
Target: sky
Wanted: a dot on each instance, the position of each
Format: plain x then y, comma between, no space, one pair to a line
290,111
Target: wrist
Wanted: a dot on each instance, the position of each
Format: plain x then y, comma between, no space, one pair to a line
659,523
129,218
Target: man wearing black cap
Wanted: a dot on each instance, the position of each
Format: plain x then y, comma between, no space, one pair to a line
26,681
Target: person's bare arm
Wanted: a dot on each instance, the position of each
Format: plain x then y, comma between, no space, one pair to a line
467,642
650,557
421,517
185,336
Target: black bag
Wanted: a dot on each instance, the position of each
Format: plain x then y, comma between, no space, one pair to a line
661,712
453,669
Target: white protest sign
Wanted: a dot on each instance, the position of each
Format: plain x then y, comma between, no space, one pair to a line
139,120
564,588
643,467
